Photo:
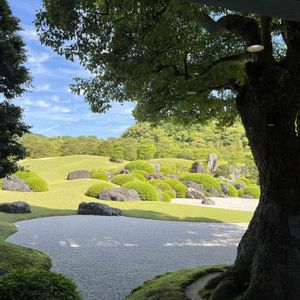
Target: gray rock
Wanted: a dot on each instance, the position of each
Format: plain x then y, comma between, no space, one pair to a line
197,167
98,209
212,162
208,201
246,196
224,188
240,186
173,176
81,174
110,175
120,194
155,176
157,167
194,194
19,207
194,185
124,171
244,170
235,173
214,192
15,184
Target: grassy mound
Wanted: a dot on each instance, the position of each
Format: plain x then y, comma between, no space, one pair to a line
141,165
206,180
177,186
30,284
146,191
96,189
171,286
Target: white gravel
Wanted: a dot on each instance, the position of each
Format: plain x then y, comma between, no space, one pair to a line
109,256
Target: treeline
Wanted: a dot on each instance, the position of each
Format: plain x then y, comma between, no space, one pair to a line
143,141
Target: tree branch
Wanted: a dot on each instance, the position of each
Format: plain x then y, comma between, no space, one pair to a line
266,38
243,26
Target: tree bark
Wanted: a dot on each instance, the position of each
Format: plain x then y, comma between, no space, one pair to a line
268,260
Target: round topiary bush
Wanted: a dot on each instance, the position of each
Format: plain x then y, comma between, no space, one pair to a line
26,174
206,180
241,192
99,174
178,187
37,184
232,191
252,190
138,176
146,191
223,170
121,179
141,165
96,189
165,197
29,284
142,172
172,194
161,184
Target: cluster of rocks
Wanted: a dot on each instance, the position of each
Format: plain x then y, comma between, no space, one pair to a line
18,207
97,209
15,184
119,194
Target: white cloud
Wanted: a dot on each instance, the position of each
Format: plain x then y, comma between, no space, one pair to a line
42,88
30,33
37,58
39,103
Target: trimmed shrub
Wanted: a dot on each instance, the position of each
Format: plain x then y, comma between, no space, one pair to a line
37,184
28,284
241,192
138,176
94,190
116,154
206,180
141,165
142,172
161,184
165,197
146,151
146,191
121,179
243,180
25,174
232,191
178,186
223,170
252,190
172,194
99,174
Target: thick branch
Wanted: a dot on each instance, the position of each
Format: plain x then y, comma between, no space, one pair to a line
243,26
266,38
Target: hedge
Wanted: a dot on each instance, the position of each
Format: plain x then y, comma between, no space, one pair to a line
178,186
206,180
172,194
145,190
232,191
121,179
142,172
37,184
99,174
29,284
96,189
252,190
140,165
161,184
165,197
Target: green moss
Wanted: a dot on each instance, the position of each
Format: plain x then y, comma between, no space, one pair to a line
178,186
99,174
171,286
121,179
252,190
146,191
141,165
96,189
206,180
28,284
37,184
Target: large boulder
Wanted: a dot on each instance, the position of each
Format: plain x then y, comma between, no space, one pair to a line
212,162
240,186
18,207
15,184
120,194
197,167
214,192
197,186
224,188
155,176
235,173
173,176
98,209
244,170
157,167
208,201
81,174
192,193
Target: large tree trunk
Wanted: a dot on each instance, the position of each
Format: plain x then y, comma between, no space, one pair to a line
268,260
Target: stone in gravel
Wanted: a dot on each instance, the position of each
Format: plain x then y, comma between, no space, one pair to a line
155,176
15,184
98,209
194,194
224,188
19,207
208,201
156,167
81,174
194,185
120,194
124,171
197,167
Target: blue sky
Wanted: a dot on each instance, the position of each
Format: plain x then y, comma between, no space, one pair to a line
50,108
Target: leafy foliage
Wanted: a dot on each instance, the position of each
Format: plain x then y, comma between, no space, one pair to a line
146,191
30,284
